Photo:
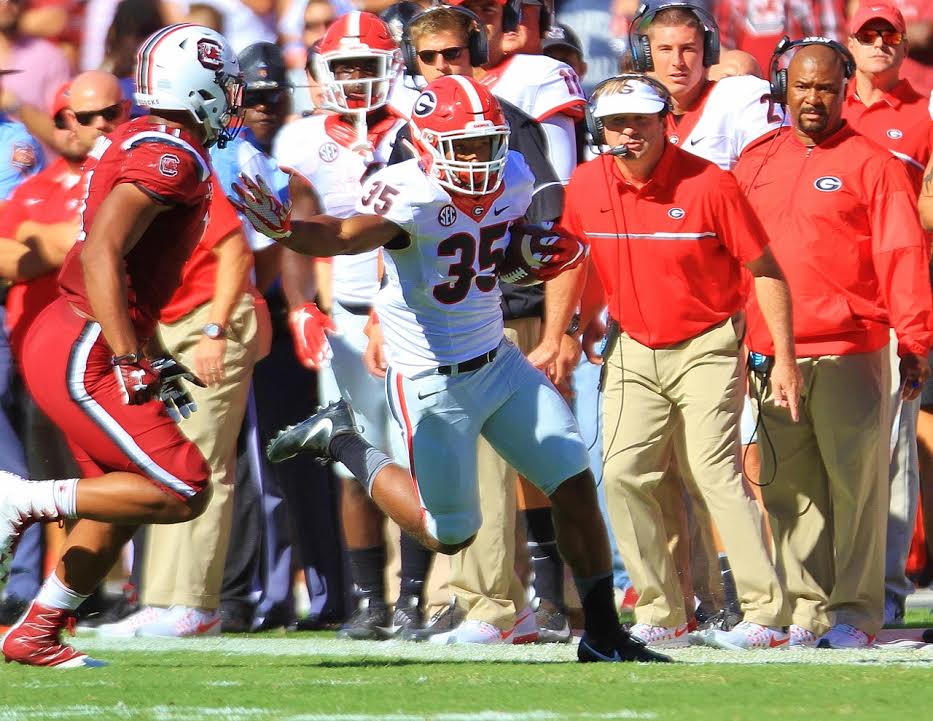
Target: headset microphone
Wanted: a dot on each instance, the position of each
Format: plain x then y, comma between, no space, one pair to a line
620,151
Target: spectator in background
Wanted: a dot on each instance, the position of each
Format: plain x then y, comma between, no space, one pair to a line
58,21
885,108
318,16
44,67
246,21
133,22
756,26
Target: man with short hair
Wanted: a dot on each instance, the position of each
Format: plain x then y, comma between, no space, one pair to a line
883,106
857,263
674,387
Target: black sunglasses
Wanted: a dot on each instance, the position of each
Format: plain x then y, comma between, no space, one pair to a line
252,98
110,113
888,37
450,54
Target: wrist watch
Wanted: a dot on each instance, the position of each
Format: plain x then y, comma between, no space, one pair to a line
574,326
214,331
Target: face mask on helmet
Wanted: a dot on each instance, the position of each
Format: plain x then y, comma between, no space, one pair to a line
192,68
356,64
462,135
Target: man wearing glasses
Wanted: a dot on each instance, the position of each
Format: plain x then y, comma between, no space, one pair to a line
886,108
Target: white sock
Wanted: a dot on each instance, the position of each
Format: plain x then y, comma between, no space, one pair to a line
55,594
51,500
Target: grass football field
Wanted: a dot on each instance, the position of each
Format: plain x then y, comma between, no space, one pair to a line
315,677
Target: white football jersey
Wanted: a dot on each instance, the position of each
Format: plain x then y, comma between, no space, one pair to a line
735,111
318,147
440,304
537,84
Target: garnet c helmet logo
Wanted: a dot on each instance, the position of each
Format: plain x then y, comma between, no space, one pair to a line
425,104
210,54
827,184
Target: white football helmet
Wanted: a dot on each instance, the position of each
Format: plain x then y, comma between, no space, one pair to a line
357,36
193,68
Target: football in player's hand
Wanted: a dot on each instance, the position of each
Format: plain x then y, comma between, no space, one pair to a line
537,253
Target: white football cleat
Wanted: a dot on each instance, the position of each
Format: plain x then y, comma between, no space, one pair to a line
746,636
801,637
183,622
15,517
843,635
525,630
661,636
128,626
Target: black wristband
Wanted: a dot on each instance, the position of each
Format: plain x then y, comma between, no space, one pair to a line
574,326
127,359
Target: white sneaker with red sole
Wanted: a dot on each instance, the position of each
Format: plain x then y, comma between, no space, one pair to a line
748,636
661,636
183,622
35,640
842,635
525,630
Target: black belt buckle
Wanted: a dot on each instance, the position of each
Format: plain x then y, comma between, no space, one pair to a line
468,365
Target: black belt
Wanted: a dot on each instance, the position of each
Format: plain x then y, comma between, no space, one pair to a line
355,308
468,365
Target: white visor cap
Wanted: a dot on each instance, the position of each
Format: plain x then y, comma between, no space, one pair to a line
634,97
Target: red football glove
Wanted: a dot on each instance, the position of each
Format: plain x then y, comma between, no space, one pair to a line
552,253
262,208
309,332
136,379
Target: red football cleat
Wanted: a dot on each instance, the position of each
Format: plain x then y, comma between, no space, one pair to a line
34,640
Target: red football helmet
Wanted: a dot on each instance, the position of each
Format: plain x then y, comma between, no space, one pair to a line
357,36
456,108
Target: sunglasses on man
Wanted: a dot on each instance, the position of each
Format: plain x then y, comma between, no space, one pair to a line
450,54
252,98
888,37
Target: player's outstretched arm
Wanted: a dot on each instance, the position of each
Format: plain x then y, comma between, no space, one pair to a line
321,236
120,220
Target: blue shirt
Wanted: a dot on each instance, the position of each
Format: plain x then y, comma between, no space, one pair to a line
244,155
20,155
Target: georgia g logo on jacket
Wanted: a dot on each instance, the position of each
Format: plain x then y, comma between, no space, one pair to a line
827,184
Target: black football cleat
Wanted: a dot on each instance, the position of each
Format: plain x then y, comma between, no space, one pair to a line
314,434
623,648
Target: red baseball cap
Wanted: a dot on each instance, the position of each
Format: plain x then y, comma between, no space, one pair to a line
60,100
874,10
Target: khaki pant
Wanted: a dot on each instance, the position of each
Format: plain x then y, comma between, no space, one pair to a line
482,576
184,562
682,402
828,501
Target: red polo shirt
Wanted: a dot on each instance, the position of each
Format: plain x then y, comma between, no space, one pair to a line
669,254
900,122
199,274
50,196
846,233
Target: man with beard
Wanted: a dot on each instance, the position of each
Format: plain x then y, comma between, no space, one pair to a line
846,233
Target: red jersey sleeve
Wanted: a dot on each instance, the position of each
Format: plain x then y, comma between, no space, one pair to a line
740,230
901,256
172,173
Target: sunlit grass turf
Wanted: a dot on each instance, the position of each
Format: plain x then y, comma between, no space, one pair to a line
314,677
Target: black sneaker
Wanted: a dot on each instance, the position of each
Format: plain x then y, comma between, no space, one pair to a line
314,434
235,618
620,649
116,609
722,620
447,619
367,623
552,624
407,615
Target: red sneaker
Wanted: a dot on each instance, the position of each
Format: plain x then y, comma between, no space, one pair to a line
34,640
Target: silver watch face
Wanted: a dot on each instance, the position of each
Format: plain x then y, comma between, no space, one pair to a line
214,331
